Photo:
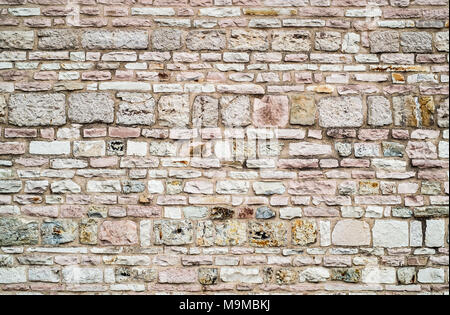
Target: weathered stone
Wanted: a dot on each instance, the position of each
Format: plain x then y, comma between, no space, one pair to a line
416,42
205,111
271,111
413,112
16,39
102,39
345,111
132,187
88,231
16,232
173,233
328,41
56,232
118,233
208,276
351,233
286,276
304,232
53,39
89,108
206,40
64,187
292,41
136,109
443,114
245,40
166,39
33,109
219,213
303,110
174,110
379,111
441,41
384,41
13,275
205,233
406,275
231,233
235,111
267,234
351,275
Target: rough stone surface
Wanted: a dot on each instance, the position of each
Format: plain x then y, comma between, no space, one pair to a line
174,110
338,112
90,108
136,109
34,109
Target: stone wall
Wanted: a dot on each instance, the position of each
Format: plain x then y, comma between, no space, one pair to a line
205,146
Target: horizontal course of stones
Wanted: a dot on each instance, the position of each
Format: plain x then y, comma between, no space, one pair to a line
211,146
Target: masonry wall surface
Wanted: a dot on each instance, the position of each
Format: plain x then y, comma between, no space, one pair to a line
224,146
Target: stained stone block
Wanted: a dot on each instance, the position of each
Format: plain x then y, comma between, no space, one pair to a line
88,231
351,275
304,232
303,110
173,233
208,276
267,234
35,109
231,233
271,111
56,232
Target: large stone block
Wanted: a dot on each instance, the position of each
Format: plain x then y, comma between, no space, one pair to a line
36,109
384,41
344,111
167,39
231,233
235,111
92,107
390,234
56,232
205,111
271,111
136,109
304,232
292,41
102,39
18,232
303,110
351,233
267,234
55,39
244,40
206,40
416,42
174,110
16,39
173,232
